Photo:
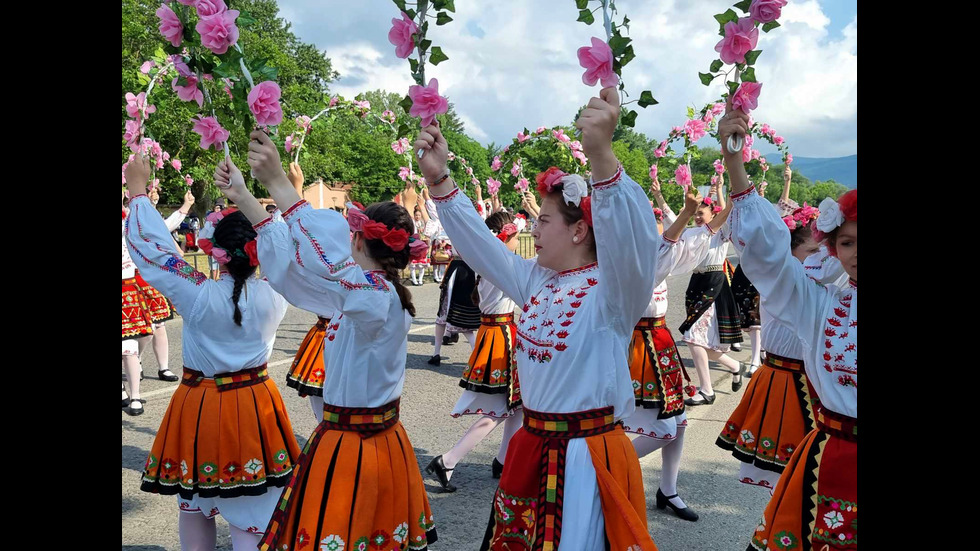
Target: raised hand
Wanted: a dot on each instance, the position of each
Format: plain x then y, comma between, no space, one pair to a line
597,123
230,181
787,174
137,174
692,200
655,186
295,175
436,152
263,157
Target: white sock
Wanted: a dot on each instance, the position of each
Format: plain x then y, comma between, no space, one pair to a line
440,333
511,425
672,467
244,541
196,532
473,436
755,334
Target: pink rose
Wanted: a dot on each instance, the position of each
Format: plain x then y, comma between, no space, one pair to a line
218,31
469,171
683,175
765,128
136,104
719,166
426,102
763,161
694,129
211,132
176,164
522,184
582,159
146,66
790,223
789,158
475,182
746,97
506,148
676,130
561,136
333,101
132,134
388,115
170,26
493,186
660,151
166,156
718,108
540,130
159,163
451,156
185,2
755,154
575,145
401,35
772,131
190,92
289,143
778,140
404,172
598,63
400,146
263,101
206,8
522,137
653,172
515,170
179,64
189,181
749,139
302,121
746,154
228,91
714,180
496,164
708,117
739,38
766,11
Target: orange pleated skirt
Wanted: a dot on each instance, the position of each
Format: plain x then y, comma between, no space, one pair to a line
492,368
308,370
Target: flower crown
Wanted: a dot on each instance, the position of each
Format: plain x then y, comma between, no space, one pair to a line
801,217
574,189
396,239
507,232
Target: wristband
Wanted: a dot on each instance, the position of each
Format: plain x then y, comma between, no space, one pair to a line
441,179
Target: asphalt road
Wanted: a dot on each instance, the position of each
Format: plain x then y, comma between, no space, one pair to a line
708,482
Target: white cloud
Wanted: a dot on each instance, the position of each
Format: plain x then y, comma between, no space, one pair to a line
524,71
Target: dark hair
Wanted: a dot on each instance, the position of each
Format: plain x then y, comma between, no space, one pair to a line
495,222
799,235
231,234
392,262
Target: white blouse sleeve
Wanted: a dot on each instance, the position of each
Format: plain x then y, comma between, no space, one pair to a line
791,296
823,267
683,256
486,254
161,265
173,221
669,216
277,259
321,241
430,208
625,233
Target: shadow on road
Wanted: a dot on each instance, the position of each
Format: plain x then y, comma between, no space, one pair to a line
129,425
134,458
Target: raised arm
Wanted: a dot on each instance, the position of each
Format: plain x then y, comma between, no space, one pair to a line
173,221
469,234
677,248
764,242
787,178
152,248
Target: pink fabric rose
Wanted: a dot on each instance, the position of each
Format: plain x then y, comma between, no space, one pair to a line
708,117
451,156
289,143
582,159
766,11
660,151
211,132
683,176
176,164
188,180
718,108
561,136
765,128
263,101
400,146
302,121
598,63
778,140
333,102
426,102
515,170
653,172
789,158
762,160
496,164
218,31
506,148
575,145
746,154
522,185
493,186
136,104
695,129
132,134
404,173
170,26
540,130
719,166
190,92
146,66
401,35
755,154
790,223
739,38
182,68
522,137
746,97
206,8
159,163
714,181
388,115
469,171
749,139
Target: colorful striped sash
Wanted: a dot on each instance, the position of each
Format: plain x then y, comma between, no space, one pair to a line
228,381
365,421
577,424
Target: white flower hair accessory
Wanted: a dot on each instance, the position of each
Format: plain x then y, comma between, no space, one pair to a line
574,189
831,216
520,222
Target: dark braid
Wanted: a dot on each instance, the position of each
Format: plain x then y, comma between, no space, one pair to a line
495,222
392,262
231,234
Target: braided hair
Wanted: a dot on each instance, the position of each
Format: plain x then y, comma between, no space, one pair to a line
392,262
231,234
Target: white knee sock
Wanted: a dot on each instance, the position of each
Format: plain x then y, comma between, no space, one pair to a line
755,334
672,466
473,436
132,364
471,337
511,424
724,360
440,333
644,445
161,346
244,541
700,356
196,532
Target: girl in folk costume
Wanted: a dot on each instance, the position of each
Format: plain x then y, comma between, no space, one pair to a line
357,481
655,366
225,444
420,265
571,474
815,501
136,322
776,411
457,312
490,384
161,309
712,323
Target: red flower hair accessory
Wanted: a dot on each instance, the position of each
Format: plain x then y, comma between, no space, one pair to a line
395,239
205,245
548,179
507,232
252,252
586,207
417,248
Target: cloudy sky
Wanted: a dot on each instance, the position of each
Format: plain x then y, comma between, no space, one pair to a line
512,63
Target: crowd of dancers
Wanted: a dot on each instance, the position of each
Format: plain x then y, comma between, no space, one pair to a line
588,362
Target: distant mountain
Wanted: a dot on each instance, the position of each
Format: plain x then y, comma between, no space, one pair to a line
840,169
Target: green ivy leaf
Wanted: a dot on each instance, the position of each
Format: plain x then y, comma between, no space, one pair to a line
450,5
442,18
628,56
414,64
581,4
406,103
690,112
410,13
706,78
143,79
400,4
770,26
424,45
723,18
626,22
732,87
170,49
159,54
751,56
266,72
437,57
245,19
629,119
744,5
585,16
618,44
226,70
715,66
646,98
748,75
403,130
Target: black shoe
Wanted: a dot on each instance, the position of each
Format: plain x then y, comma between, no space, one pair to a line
751,371
664,501
455,338
705,399
498,468
447,340
135,411
167,375
435,360
737,347
438,468
737,377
